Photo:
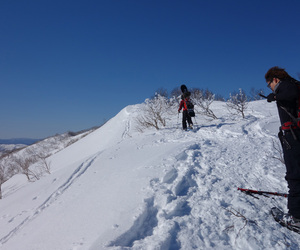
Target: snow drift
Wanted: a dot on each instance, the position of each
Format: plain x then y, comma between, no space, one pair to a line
168,189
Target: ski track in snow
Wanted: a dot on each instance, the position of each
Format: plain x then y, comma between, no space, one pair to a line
53,197
126,130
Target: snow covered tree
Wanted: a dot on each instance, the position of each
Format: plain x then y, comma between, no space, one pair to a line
154,113
203,99
24,163
6,172
238,103
2,178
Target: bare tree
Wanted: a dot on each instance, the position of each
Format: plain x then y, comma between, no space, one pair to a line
238,103
4,176
7,170
45,164
203,99
24,163
154,113
41,158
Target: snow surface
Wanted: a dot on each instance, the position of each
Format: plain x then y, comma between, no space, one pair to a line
120,189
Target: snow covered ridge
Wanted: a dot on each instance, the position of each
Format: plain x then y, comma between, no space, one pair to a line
10,145
118,188
31,160
5,148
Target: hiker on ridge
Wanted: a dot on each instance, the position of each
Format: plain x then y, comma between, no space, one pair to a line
185,98
286,94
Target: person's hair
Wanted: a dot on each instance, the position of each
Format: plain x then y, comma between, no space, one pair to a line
276,72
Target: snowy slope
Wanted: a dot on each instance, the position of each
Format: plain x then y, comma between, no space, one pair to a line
168,189
10,147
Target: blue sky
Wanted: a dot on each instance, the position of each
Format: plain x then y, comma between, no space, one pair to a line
67,65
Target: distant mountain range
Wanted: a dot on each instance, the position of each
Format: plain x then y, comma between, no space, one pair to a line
25,141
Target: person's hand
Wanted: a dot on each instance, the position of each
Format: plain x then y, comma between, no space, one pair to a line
271,97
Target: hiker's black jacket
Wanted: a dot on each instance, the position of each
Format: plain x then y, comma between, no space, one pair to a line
286,96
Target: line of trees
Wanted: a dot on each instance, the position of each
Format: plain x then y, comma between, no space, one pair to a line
156,109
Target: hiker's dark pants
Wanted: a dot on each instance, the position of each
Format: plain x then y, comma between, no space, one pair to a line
186,117
291,154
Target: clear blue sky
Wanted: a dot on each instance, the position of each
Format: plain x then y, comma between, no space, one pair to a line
71,64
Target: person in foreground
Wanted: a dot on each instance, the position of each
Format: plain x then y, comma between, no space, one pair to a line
286,94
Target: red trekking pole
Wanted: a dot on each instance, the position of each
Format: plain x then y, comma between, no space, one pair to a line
250,192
